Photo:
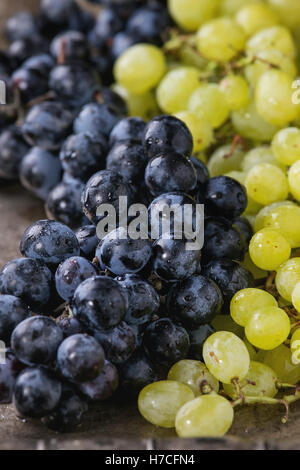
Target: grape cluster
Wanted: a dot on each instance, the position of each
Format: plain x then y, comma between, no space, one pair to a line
198,108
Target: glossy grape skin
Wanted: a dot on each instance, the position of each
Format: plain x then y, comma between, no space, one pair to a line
63,203
27,278
209,102
104,187
99,302
255,17
130,128
74,44
224,197
70,273
12,311
276,37
29,83
244,227
36,340
143,299
230,276
95,118
268,327
118,343
288,12
200,129
47,125
165,342
49,241
37,392
201,170
222,240
172,261
247,301
264,57
236,91
68,414
194,301
12,150
165,134
288,275
197,339
40,171
280,360
293,177
136,373
80,358
284,218
83,154
88,240
262,154
22,49
226,356
159,402
103,386
127,158
175,89
223,161
194,374
140,68
120,254
9,372
208,415
295,297
286,145
170,172
269,249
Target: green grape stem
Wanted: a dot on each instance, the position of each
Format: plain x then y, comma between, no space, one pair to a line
205,388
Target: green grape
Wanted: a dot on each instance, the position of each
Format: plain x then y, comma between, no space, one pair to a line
286,220
273,98
245,303
296,297
266,58
140,68
294,180
144,106
226,323
236,91
288,275
190,57
257,273
220,39
263,154
224,160
231,7
254,17
267,183
259,382
280,360
288,12
209,102
175,89
275,37
265,211
269,249
226,356
252,206
251,350
160,401
268,327
190,14
286,145
249,124
236,175
200,129
295,339
194,374
208,415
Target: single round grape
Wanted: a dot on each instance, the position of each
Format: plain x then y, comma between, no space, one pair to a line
276,37
260,381
220,39
296,297
226,356
257,155
294,180
223,160
247,301
286,145
175,89
265,211
194,374
266,58
267,183
273,98
268,327
254,17
231,7
288,275
190,14
236,91
200,129
225,323
140,68
288,11
269,249
209,102
160,401
280,360
208,415
285,219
